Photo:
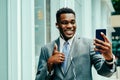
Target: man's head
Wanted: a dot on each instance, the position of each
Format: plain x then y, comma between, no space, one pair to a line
66,22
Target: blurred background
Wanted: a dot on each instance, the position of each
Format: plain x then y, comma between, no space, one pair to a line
26,25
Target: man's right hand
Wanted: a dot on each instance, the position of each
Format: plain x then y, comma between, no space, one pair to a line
56,58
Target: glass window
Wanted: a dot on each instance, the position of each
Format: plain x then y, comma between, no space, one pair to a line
42,25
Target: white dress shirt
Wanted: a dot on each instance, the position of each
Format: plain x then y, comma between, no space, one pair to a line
62,41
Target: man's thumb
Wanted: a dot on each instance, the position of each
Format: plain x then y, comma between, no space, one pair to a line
55,47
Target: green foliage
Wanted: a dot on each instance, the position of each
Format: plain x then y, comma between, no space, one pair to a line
116,5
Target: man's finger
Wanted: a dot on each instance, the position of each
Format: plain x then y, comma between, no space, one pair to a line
105,38
55,47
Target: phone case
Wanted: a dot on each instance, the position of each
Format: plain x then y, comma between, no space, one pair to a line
98,35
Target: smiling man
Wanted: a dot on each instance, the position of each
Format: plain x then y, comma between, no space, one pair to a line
71,57
66,25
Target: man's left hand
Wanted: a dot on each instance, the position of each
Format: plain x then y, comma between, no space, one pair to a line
104,47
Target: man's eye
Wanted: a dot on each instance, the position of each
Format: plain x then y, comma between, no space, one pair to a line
64,22
72,22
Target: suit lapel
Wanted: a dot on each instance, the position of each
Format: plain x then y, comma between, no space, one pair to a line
58,44
70,57
72,52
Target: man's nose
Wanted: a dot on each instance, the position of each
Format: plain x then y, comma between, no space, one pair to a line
69,25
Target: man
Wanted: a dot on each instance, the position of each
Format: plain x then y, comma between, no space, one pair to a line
70,57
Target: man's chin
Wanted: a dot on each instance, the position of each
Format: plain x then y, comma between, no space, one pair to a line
69,36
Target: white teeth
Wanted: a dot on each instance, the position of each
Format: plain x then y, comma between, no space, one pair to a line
70,30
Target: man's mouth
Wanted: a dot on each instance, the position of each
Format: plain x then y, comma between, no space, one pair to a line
69,32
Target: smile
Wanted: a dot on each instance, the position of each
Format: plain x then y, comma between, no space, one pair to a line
69,32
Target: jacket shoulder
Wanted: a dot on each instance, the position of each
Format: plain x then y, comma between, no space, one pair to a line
84,39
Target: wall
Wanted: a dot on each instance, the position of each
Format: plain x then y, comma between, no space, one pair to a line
17,50
115,20
3,40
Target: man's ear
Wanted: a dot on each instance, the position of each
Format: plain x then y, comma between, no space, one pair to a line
57,25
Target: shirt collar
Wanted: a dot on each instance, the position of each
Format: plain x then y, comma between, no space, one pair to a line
69,41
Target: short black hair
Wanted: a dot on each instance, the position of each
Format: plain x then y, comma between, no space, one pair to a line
62,11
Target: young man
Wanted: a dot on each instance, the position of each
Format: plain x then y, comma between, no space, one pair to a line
70,57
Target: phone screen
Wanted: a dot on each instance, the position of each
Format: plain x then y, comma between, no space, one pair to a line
98,35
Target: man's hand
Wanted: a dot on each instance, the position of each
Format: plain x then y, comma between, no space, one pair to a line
104,47
56,58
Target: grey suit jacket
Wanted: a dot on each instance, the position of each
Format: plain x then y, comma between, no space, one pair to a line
80,61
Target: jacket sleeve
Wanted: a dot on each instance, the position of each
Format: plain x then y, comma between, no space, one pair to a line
42,70
100,64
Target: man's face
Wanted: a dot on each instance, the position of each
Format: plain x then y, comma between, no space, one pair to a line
67,25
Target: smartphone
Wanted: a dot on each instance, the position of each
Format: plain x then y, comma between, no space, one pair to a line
98,33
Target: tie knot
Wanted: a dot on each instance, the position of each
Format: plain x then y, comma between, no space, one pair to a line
66,46
66,43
